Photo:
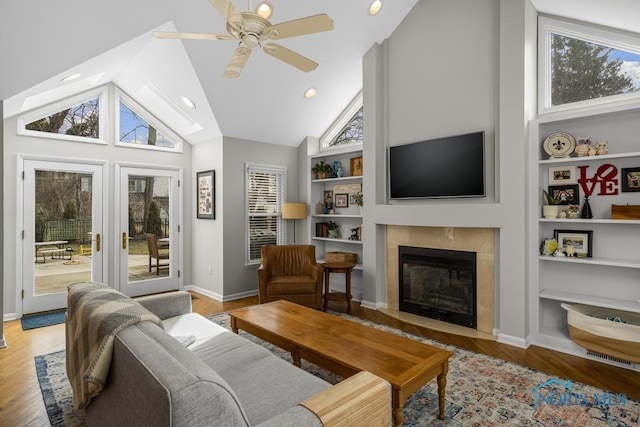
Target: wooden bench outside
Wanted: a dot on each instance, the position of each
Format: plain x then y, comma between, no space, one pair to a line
52,247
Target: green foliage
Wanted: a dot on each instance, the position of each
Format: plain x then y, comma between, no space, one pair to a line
154,223
321,167
582,71
333,226
551,200
41,224
70,210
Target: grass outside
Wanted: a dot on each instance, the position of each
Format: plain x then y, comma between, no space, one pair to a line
136,247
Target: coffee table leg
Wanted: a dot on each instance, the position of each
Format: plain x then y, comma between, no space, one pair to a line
234,325
442,383
295,355
397,406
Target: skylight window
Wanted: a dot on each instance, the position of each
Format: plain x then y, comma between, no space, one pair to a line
136,130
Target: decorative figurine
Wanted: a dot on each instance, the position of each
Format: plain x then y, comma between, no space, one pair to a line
570,250
549,246
601,148
582,149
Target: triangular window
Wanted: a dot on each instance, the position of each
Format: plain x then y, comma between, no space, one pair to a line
347,129
134,129
81,120
351,133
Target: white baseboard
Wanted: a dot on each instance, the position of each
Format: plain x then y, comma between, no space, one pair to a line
6,317
372,305
218,297
514,341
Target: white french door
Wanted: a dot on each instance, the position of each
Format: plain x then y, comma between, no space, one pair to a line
148,232
62,238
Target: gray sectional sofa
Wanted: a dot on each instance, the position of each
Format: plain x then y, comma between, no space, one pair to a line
197,373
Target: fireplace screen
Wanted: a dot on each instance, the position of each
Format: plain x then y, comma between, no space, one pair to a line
439,284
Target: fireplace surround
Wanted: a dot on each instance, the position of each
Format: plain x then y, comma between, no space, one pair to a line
438,283
482,241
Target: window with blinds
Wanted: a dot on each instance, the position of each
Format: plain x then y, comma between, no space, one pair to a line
265,190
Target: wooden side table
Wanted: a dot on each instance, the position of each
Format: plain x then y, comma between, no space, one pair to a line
337,267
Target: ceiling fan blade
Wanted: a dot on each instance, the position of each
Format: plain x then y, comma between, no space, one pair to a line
290,57
237,62
298,27
190,36
230,13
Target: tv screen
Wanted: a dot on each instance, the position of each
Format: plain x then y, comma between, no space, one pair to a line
438,168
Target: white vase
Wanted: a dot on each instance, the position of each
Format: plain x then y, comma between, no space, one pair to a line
550,211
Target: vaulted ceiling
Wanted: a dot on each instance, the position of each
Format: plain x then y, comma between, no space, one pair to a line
42,41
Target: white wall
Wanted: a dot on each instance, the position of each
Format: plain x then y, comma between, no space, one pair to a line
241,280
441,73
18,144
2,341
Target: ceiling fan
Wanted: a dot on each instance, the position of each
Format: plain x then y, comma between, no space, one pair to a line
252,30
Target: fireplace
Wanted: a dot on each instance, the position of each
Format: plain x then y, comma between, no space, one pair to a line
438,283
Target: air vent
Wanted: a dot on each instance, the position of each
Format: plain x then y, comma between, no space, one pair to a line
610,358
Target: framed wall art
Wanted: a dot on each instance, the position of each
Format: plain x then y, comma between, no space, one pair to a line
567,194
581,240
560,175
206,194
630,179
355,166
342,201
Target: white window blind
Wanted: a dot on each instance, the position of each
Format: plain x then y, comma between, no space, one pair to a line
265,190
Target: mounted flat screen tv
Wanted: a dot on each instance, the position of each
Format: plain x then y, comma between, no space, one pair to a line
438,168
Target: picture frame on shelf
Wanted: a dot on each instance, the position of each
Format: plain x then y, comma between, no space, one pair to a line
341,201
630,179
328,199
567,194
562,175
206,194
581,240
355,166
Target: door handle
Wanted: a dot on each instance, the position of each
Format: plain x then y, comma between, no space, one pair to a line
124,240
98,242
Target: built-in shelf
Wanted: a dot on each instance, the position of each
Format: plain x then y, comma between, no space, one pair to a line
612,262
336,216
329,239
589,158
591,221
342,178
616,304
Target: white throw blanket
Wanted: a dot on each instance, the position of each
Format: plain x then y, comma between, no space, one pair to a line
95,314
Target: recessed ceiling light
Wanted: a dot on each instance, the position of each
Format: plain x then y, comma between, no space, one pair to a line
188,102
264,9
375,7
310,93
71,77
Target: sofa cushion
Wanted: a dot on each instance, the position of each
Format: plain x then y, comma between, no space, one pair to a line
192,324
265,384
291,285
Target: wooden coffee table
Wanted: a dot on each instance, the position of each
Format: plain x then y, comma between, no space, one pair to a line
346,348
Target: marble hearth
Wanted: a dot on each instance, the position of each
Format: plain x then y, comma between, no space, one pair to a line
479,240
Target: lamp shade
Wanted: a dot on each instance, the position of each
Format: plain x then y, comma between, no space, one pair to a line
294,210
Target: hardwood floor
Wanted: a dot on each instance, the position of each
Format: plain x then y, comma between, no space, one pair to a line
21,401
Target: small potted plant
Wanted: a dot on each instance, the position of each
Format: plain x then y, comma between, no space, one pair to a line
358,200
322,170
552,208
332,229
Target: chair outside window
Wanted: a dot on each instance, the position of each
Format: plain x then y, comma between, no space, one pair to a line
157,254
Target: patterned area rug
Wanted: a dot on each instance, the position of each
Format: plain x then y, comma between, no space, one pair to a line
481,391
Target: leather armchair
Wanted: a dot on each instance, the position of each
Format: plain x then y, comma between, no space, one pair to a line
290,272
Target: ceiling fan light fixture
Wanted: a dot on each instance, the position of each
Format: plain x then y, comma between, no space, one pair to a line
375,7
188,102
310,93
71,77
264,9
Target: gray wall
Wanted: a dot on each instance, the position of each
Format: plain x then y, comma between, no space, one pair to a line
241,280
453,67
207,262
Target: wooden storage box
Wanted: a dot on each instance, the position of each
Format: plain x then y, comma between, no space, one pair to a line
625,211
340,257
591,328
